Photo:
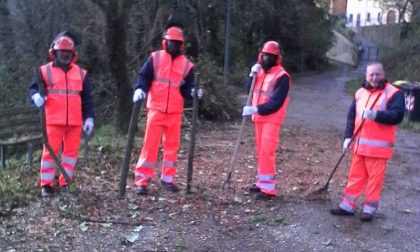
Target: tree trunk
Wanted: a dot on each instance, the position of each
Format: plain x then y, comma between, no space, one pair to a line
116,41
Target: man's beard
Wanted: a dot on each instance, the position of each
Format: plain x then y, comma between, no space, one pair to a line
173,50
267,64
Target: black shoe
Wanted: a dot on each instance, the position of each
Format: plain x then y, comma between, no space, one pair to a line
141,190
47,191
340,212
170,187
264,196
254,189
366,217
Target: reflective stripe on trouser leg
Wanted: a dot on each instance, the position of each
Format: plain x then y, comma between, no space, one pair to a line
47,173
370,207
145,168
376,173
71,144
171,141
144,172
348,203
357,178
55,138
267,138
267,183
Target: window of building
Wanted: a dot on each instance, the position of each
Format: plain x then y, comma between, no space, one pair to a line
358,20
350,18
379,18
368,17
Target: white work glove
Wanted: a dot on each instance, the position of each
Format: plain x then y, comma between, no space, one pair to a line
346,144
88,126
369,114
254,69
249,110
139,95
199,93
38,100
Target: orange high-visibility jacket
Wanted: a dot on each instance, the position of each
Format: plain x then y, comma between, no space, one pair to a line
64,104
164,94
263,91
375,139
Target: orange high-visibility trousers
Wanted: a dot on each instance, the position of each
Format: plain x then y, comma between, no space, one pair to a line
366,173
159,126
267,138
58,135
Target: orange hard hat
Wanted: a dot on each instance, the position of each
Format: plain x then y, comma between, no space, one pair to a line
271,47
64,43
174,33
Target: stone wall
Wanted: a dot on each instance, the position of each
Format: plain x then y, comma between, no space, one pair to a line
381,35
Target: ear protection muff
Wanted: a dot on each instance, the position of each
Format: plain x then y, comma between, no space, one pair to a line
279,60
260,58
51,55
164,44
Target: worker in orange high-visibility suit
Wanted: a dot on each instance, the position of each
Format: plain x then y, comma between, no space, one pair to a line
268,109
68,106
377,108
167,77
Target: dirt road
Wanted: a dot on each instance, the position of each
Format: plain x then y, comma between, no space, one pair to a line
216,219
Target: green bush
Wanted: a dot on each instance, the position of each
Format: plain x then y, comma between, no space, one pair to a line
403,61
220,97
17,182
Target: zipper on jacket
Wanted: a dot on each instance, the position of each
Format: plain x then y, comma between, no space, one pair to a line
67,100
259,92
169,88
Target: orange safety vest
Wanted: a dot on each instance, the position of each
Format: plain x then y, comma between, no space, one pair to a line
64,103
165,94
375,139
264,90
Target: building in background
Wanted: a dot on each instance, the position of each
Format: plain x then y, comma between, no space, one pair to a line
338,7
376,12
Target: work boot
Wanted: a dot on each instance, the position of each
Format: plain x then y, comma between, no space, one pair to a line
169,186
254,189
264,196
141,190
366,217
340,212
47,191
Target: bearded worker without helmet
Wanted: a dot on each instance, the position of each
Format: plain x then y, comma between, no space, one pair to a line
165,79
268,109
68,108
376,109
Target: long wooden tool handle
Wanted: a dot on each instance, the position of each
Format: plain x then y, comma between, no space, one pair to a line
128,149
85,145
193,131
241,130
